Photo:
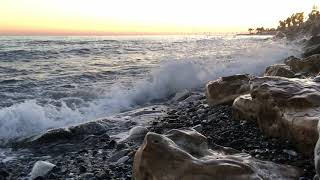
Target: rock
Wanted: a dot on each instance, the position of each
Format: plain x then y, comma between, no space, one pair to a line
244,108
86,176
51,135
290,152
279,70
122,160
97,127
82,169
280,35
137,132
226,89
309,65
197,127
115,157
41,169
4,174
312,46
317,156
180,96
184,154
288,108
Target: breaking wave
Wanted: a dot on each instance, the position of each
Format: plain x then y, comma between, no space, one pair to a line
169,77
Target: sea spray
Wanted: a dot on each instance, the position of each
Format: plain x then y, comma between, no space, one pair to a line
223,57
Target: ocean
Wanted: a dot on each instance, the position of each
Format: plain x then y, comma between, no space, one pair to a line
49,82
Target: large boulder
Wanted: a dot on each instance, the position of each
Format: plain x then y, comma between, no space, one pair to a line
184,154
288,108
279,70
226,89
309,65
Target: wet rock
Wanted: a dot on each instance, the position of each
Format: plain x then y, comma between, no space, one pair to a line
137,133
115,157
226,89
41,169
4,174
184,154
180,96
82,169
198,128
86,176
122,160
281,70
309,65
312,46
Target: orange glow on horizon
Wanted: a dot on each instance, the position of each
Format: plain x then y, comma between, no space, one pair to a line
100,17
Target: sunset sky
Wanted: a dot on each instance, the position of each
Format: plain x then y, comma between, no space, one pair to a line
103,17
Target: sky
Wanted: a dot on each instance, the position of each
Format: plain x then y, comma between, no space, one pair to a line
107,17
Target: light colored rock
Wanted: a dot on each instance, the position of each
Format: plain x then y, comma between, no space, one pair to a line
182,95
243,108
137,132
122,160
41,168
279,70
226,89
184,154
309,65
288,108
118,155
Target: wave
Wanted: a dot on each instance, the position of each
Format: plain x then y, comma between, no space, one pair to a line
169,77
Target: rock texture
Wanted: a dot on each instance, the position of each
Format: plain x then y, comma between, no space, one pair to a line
312,46
317,157
41,169
287,108
309,65
244,108
279,70
226,89
184,154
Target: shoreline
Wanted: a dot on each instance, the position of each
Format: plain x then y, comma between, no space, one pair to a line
98,150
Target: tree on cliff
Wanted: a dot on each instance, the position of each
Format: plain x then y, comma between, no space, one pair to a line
288,22
250,30
282,25
314,13
260,30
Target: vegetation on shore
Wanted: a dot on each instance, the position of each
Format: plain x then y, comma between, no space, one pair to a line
294,26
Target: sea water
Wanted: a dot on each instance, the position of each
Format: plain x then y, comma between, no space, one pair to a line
49,82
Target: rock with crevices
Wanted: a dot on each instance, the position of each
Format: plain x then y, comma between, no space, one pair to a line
226,89
288,108
184,154
281,70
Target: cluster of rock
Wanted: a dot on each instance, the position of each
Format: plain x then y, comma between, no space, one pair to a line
284,103
100,149
286,107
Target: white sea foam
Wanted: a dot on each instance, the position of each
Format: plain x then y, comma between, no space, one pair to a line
169,77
